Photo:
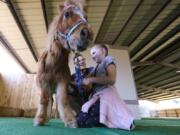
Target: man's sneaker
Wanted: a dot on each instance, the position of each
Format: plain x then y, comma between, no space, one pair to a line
132,126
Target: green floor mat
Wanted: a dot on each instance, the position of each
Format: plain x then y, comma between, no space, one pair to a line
23,126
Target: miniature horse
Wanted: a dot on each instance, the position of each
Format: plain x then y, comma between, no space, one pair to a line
68,32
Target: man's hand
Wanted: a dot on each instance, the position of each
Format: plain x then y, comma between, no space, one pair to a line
87,82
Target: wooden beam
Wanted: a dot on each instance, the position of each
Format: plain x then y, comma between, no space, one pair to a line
10,50
168,65
166,81
43,5
170,39
175,86
169,85
163,91
170,54
156,80
147,93
128,20
168,97
18,22
145,63
107,11
158,43
168,51
171,17
150,63
157,95
151,20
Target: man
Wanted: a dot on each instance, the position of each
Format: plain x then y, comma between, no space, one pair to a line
78,93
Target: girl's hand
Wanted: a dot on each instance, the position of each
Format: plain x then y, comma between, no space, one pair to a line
87,81
87,84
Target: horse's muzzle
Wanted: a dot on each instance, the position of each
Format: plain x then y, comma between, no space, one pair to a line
85,39
84,34
82,45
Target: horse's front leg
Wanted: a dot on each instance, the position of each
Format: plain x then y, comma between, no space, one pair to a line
65,111
41,115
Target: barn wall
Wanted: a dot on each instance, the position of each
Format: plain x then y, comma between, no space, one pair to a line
18,91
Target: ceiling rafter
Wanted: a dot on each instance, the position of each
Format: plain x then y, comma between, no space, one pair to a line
170,19
166,41
151,92
160,96
170,41
128,20
154,89
147,92
18,22
101,26
149,63
175,88
167,97
10,50
146,71
151,20
164,81
160,56
168,51
158,76
156,96
43,5
176,83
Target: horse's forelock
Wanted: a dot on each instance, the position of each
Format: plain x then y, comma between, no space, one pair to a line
80,3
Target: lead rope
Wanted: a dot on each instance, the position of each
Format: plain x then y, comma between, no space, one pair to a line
80,79
94,75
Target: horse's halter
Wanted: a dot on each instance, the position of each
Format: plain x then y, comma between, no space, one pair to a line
67,36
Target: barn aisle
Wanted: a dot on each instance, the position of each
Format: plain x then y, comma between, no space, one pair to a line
23,126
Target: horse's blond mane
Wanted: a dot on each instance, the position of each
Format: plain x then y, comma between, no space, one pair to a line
52,31
80,3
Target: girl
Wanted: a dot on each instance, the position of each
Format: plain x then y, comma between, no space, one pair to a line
104,108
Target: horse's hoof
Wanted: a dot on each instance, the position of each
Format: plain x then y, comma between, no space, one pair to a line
39,122
35,124
72,125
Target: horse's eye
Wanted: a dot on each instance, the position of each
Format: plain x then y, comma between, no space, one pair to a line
86,18
67,14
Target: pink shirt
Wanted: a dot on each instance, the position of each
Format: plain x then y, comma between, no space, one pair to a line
113,111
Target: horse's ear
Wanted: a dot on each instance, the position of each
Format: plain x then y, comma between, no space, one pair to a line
61,7
80,3
85,9
68,2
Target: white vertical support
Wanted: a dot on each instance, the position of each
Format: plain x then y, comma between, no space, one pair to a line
125,83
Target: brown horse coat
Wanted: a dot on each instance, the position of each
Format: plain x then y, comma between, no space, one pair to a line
69,31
